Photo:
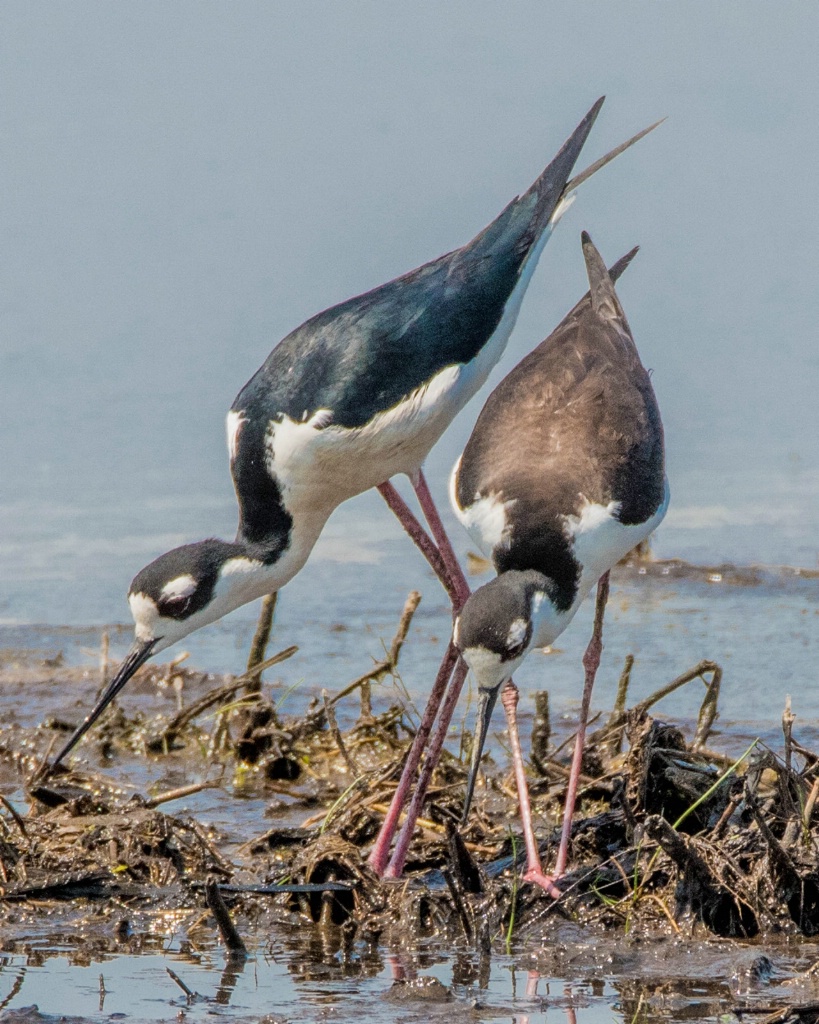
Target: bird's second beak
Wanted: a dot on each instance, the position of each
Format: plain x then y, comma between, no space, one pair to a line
138,655
486,705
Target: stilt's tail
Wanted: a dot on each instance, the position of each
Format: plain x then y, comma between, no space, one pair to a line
524,222
615,270
601,286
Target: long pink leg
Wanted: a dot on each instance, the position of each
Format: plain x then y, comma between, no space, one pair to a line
591,662
399,856
381,850
534,868
430,510
446,567
396,864
419,536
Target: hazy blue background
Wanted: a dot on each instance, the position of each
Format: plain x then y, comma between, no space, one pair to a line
183,183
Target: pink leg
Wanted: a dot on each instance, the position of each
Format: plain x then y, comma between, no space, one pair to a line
396,865
534,868
419,535
381,850
591,662
419,483
445,565
442,558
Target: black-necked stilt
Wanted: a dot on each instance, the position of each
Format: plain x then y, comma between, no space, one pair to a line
562,476
356,395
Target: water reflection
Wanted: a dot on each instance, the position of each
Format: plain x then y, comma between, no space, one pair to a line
299,977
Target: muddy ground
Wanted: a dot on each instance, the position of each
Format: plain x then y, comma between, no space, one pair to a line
673,840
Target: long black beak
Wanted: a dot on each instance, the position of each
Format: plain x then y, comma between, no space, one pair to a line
486,705
138,655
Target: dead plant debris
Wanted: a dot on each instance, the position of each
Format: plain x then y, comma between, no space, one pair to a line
669,837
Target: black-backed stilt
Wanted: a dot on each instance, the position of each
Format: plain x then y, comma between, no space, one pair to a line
562,476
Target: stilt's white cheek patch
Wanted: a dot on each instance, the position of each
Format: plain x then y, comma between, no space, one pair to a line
145,614
182,586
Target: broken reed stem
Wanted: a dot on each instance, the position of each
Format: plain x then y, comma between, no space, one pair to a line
336,734
788,719
220,694
725,817
680,850
104,647
18,821
179,793
777,851
708,709
180,983
675,684
230,936
410,605
366,712
258,645
541,732
810,804
617,718
458,902
619,709
389,663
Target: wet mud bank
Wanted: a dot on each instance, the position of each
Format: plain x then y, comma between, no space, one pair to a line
677,847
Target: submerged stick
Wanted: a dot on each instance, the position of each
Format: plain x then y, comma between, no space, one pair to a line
230,936
15,989
175,977
457,902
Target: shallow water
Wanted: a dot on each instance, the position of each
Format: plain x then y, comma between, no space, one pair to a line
292,976
759,624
